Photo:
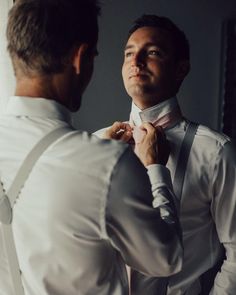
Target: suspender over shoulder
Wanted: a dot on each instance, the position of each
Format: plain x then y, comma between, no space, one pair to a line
183,159
178,181
7,201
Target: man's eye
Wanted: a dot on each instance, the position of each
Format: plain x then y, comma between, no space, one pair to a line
154,52
128,54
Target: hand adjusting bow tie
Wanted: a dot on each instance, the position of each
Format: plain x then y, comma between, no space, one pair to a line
165,121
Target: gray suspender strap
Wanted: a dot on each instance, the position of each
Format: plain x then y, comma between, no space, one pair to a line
7,202
180,173
183,159
31,159
10,249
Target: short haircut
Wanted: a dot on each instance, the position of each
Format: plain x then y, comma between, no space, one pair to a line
181,44
42,33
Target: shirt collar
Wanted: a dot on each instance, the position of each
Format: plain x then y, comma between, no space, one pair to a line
37,107
137,116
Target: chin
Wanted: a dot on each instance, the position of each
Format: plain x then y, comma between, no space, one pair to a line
136,90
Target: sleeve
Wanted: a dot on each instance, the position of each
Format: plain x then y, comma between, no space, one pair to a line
146,242
163,196
224,214
99,133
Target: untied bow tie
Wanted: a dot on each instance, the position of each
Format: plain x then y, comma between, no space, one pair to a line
166,121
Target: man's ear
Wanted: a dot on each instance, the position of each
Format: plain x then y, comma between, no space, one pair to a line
183,68
79,56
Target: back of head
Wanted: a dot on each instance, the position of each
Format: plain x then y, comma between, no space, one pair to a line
179,39
42,33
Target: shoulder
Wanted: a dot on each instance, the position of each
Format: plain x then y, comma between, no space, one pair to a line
210,135
88,143
213,145
206,139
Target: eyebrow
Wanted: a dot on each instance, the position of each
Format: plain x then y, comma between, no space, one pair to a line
128,47
148,44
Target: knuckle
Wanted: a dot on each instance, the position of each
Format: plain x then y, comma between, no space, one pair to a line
116,123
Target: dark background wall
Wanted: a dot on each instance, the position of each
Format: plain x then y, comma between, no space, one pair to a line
105,99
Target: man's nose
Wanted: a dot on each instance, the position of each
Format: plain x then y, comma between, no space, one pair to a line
137,60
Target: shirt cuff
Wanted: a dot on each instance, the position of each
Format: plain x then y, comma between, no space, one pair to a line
159,175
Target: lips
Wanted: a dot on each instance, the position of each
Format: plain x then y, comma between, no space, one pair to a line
139,75
136,72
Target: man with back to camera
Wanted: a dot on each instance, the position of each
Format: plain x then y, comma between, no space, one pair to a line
77,216
202,162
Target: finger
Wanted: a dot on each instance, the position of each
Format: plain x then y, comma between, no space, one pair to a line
126,136
112,132
117,126
139,134
148,127
123,131
115,131
149,131
128,127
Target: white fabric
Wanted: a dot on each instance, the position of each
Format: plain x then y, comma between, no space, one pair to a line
81,208
208,208
151,114
7,202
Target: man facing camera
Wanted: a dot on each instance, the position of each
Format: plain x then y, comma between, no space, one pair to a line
202,162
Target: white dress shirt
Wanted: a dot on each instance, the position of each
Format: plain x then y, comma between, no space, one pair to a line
207,209
80,213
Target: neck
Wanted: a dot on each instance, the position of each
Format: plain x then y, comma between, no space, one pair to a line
165,114
49,87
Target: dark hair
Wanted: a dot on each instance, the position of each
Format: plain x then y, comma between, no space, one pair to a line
42,33
180,41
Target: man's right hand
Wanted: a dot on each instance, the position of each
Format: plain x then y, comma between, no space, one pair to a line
119,131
